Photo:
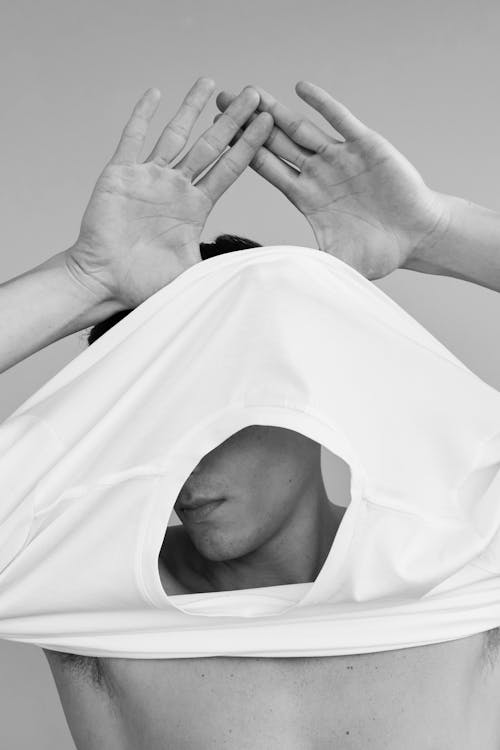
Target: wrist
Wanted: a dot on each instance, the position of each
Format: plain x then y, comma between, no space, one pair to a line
93,303
42,305
95,299
428,254
468,248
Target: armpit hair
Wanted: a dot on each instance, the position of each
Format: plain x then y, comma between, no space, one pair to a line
89,668
491,647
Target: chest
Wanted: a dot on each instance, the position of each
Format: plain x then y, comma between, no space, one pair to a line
423,697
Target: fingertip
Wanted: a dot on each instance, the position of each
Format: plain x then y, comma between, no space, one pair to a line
224,98
206,82
266,99
153,93
301,85
266,118
253,91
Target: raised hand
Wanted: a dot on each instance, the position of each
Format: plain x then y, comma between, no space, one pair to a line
143,223
366,203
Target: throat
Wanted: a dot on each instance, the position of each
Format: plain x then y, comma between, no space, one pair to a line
287,559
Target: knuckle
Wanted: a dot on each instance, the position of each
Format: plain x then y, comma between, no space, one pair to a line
133,133
114,175
258,159
295,126
301,161
272,138
215,143
275,137
248,138
324,149
189,104
343,119
160,160
138,121
178,130
232,166
227,119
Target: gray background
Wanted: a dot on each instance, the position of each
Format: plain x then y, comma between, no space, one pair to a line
423,74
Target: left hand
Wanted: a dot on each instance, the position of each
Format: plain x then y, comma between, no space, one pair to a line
365,202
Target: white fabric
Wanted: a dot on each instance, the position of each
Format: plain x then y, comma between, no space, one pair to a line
92,463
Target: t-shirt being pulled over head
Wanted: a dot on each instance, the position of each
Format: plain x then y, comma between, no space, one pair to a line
94,461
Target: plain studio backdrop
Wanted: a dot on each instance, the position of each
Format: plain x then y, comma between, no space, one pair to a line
425,75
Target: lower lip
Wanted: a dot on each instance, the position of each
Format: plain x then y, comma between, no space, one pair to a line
196,515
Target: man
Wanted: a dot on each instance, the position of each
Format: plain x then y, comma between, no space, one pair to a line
367,205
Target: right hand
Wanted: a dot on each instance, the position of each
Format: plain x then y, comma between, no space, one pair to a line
143,223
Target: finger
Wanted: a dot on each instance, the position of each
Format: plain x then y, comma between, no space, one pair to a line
278,143
230,166
273,169
215,139
175,135
134,132
299,129
333,111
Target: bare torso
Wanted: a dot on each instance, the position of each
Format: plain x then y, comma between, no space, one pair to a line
437,697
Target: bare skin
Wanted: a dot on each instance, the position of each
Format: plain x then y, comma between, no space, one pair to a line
368,206
434,697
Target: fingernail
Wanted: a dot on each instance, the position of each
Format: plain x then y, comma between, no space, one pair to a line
206,81
250,89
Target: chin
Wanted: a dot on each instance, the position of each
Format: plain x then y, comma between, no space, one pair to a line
218,546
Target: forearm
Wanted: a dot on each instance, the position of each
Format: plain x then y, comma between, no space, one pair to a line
43,305
468,248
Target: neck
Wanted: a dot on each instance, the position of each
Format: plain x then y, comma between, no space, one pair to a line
295,554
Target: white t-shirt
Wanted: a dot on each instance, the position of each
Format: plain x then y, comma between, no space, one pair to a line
92,463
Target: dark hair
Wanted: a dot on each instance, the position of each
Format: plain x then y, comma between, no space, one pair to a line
224,243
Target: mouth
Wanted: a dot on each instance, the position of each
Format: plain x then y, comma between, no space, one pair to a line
200,510
197,502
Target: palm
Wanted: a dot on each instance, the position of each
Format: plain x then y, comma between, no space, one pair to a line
145,216
364,201
367,202
146,204
142,226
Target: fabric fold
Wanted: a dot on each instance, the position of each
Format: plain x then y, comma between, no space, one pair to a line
92,463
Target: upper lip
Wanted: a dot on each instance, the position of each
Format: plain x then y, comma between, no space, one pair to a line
198,502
